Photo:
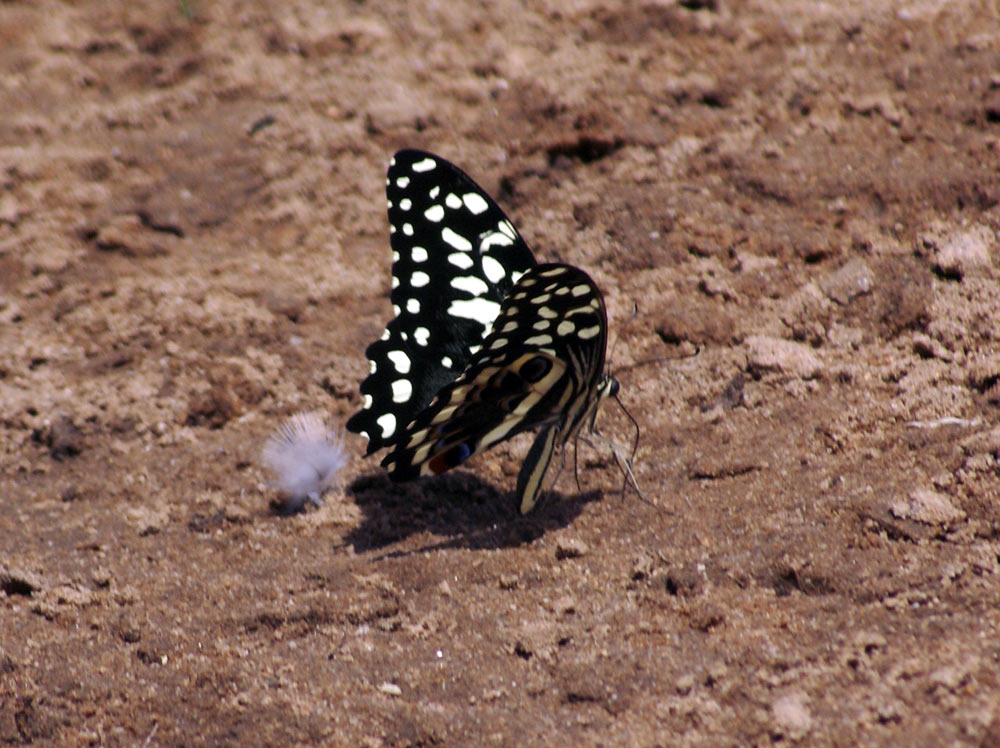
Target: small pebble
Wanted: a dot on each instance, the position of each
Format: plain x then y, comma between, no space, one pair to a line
791,715
571,548
927,506
390,689
766,354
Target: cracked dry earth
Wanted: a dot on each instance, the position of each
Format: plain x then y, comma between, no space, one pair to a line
801,197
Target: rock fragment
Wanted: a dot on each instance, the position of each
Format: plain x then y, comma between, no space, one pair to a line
766,354
850,281
959,253
927,506
791,715
571,548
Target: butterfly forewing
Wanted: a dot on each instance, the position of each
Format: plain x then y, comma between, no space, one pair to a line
540,365
455,258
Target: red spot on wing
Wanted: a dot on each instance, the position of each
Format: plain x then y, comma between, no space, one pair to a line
439,464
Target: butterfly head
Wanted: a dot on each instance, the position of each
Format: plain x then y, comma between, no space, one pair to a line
608,386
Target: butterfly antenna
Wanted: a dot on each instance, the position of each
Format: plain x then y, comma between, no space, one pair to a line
656,360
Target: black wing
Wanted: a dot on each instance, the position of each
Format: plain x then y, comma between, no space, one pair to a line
455,257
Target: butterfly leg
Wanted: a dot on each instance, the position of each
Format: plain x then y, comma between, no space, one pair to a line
576,464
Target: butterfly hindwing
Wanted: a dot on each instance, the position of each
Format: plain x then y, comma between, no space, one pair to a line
455,258
492,403
541,365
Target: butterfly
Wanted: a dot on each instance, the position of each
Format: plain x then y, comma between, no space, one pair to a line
486,343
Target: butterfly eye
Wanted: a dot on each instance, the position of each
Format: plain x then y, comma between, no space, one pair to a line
613,387
535,368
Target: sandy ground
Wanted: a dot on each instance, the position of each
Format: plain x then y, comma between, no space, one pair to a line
802,198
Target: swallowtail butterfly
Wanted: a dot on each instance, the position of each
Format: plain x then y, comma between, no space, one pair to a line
485,343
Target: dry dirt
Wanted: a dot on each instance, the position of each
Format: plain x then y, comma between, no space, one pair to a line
801,197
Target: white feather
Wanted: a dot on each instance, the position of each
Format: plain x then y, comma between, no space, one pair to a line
305,457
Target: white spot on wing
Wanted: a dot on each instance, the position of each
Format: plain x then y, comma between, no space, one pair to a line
419,279
402,182
470,283
418,254
453,201
413,306
425,165
565,327
400,360
475,203
508,228
456,240
408,229
405,204
494,238
434,213
588,332
367,402
493,269
447,362
483,311
401,390
461,260
539,340
372,367
388,423
435,191
421,335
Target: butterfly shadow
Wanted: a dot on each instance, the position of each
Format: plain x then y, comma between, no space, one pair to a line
469,512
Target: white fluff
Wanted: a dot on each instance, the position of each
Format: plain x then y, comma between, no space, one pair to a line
305,457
